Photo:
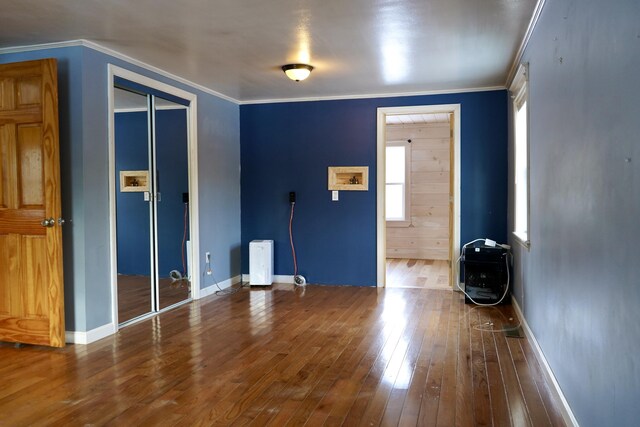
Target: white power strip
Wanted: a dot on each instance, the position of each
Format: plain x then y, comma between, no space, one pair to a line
493,244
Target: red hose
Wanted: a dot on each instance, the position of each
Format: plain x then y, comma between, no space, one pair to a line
293,249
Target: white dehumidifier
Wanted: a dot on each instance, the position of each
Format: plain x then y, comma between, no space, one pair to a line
260,262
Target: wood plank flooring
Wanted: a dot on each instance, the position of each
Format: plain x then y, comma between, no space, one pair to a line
320,355
134,295
417,273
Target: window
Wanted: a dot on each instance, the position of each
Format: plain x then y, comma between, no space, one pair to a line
397,191
519,94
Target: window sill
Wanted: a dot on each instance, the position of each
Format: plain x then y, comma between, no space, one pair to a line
522,239
398,224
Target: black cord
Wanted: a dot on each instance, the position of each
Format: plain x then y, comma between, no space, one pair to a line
293,248
221,292
184,239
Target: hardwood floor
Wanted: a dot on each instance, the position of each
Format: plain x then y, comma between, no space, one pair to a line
134,295
320,355
417,273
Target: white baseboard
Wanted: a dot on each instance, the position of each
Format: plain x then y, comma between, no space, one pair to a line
210,290
565,409
283,279
78,337
276,279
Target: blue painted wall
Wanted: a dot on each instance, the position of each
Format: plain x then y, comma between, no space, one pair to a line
82,75
578,284
132,211
289,146
218,160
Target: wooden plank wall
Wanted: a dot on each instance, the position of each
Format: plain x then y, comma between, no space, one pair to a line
427,237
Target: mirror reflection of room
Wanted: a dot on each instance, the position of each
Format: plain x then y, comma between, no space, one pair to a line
152,204
172,178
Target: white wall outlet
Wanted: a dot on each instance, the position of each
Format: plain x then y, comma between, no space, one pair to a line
207,260
334,195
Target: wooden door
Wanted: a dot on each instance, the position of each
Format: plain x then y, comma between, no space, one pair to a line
452,165
31,285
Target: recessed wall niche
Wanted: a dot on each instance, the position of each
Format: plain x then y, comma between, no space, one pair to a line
349,178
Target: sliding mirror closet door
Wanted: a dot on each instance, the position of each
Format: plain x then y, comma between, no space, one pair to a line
133,210
152,200
172,203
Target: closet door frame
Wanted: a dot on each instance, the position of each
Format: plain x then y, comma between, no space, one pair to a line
192,142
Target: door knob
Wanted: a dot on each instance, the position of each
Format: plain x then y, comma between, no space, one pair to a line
48,222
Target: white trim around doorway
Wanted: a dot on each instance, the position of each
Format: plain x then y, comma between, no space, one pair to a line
381,230
192,125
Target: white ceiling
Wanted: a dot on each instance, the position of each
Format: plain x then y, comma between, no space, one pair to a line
416,119
236,47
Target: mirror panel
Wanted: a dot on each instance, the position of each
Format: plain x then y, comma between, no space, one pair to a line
172,214
133,210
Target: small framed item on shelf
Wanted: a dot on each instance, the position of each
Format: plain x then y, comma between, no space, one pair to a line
349,178
134,181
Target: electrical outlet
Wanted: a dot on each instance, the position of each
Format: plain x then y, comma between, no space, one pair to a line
207,260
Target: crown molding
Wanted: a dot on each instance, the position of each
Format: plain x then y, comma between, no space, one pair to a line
375,95
113,53
525,41
40,46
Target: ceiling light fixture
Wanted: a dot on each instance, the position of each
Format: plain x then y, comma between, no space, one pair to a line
297,72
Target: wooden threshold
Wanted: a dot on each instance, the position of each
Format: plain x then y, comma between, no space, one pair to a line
417,273
319,355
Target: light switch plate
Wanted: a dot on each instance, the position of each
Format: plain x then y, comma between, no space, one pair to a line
334,195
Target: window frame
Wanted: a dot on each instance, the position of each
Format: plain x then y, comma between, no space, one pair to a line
406,221
519,91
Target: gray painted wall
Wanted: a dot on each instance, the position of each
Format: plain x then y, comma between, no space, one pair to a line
85,179
579,285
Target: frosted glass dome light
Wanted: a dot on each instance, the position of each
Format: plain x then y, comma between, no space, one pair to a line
297,72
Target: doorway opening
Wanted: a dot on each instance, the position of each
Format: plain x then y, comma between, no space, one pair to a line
418,196
153,197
